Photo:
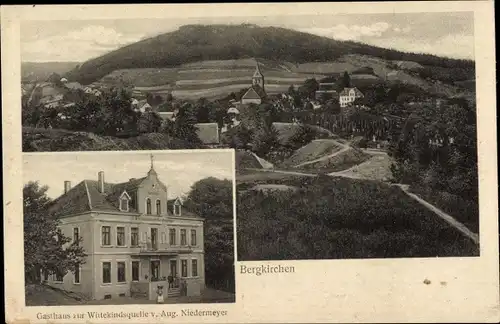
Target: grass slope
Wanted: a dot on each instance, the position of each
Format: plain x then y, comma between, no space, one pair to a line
50,140
312,151
338,218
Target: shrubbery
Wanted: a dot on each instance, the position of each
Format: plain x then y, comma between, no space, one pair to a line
330,218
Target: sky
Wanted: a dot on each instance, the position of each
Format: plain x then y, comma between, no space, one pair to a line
443,34
177,170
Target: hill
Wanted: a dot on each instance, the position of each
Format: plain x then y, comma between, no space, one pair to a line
195,43
40,71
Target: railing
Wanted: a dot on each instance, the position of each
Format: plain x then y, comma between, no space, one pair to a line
164,247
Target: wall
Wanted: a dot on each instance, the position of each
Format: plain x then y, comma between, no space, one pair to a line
249,101
84,223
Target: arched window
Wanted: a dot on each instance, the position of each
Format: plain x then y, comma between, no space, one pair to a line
148,206
158,207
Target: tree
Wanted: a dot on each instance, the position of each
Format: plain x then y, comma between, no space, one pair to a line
346,80
45,247
184,125
309,88
265,140
149,122
212,199
304,135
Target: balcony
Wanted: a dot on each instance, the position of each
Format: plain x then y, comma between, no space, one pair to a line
152,248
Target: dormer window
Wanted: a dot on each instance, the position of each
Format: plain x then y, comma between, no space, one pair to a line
177,210
124,201
177,207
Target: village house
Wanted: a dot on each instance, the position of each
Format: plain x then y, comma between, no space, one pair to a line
348,96
134,236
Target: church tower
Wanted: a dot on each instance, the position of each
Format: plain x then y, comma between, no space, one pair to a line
258,77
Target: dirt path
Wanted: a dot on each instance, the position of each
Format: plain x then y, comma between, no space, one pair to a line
325,157
448,218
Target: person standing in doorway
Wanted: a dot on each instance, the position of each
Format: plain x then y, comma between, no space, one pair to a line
170,281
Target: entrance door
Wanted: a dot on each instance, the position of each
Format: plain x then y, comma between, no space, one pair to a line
155,270
173,268
154,238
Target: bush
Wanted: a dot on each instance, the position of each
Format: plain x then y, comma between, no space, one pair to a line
324,219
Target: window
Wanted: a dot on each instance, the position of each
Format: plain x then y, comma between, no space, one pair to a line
120,268
183,237
77,274
194,268
59,276
184,266
106,235
158,207
76,235
193,237
148,206
171,235
124,204
177,210
134,236
120,236
135,270
106,272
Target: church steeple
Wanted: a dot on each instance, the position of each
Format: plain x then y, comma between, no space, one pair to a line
152,169
258,77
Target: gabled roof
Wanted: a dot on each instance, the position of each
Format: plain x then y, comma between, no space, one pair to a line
85,196
251,94
345,92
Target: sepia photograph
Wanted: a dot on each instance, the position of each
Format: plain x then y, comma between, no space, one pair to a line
250,162
128,228
355,136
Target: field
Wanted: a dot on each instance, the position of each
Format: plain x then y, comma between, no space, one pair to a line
333,218
209,79
213,79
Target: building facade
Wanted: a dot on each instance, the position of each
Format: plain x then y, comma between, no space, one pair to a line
348,96
134,236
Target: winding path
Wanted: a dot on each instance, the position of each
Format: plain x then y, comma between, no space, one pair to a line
325,157
405,188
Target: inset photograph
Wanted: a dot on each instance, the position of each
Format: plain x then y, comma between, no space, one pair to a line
128,227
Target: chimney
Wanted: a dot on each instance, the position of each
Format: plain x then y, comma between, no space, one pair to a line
100,181
67,186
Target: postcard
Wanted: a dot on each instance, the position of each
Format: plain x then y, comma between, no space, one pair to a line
252,162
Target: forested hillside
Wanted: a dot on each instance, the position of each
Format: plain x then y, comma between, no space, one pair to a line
192,43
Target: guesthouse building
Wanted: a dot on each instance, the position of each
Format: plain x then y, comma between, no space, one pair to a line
135,237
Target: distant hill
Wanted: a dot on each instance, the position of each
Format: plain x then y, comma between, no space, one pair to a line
40,71
195,43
